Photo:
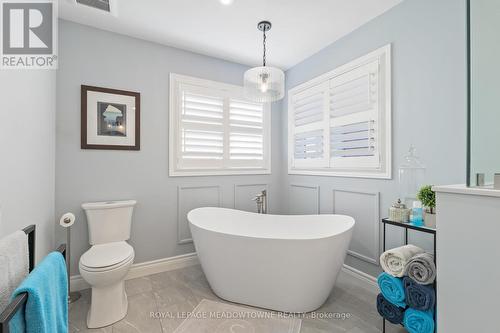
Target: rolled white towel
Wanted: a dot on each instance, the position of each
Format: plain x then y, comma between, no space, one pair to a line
394,261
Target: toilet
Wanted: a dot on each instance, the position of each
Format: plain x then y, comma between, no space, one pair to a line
105,265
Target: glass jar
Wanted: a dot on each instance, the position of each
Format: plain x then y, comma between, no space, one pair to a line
411,176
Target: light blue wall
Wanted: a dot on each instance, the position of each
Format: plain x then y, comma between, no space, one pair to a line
428,40
27,154
95,57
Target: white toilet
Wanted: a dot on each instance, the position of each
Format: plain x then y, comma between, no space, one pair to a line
105,265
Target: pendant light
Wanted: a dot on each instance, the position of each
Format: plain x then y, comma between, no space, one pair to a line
264,84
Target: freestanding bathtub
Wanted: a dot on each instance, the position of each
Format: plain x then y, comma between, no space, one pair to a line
286,263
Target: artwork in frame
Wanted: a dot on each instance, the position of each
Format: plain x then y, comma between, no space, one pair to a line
110,119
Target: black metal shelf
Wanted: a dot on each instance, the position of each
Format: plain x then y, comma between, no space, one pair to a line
410,226
421,228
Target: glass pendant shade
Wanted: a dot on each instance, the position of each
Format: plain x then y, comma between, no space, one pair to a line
264,84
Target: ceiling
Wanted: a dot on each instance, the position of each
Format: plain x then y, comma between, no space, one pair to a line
300,27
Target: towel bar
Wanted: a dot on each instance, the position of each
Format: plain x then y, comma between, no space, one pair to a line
21,299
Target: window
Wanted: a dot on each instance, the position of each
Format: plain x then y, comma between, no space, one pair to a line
339,124
215,131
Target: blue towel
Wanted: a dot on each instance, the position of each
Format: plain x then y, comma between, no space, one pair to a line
46,310
392,289
417,321
418,296
389,311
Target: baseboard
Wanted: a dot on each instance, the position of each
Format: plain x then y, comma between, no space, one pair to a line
367,280
146,268
162,265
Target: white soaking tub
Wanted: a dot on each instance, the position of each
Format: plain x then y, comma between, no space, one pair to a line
286,263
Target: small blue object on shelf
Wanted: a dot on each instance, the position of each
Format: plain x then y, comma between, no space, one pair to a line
417,214
418,223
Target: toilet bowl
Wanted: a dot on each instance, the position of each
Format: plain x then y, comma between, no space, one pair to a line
105,265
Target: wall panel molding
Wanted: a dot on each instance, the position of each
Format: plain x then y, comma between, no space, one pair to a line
199,200
365,244
309,200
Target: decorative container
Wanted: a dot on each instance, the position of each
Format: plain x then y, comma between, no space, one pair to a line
411,175
399,213
430,220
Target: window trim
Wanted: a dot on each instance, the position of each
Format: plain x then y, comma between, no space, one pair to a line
387,154
176,80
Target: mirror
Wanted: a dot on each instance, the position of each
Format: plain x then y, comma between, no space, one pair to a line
484,90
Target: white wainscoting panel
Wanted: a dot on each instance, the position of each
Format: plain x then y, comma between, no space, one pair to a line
364,208
303,199
244,193
190,197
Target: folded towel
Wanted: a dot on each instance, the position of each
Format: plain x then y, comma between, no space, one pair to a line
421,268
418,296
416,321
394,261
389,311
46,310
392,289
14,263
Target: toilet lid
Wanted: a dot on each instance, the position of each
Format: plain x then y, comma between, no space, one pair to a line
109,254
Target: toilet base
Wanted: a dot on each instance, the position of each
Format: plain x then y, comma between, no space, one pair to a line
108,305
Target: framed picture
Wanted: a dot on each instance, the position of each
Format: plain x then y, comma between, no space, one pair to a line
111,119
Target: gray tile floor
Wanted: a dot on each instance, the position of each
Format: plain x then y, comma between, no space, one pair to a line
181,290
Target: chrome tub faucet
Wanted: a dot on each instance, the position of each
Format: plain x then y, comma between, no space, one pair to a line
261,200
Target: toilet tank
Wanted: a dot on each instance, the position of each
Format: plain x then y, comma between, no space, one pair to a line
109,221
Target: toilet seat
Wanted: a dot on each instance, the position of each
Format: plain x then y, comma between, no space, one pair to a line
108,256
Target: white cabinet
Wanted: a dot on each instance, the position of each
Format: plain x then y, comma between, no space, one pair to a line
468,259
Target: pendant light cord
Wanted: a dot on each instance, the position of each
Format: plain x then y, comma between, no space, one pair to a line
264,44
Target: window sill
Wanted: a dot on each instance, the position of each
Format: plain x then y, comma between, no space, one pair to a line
225,172
346,174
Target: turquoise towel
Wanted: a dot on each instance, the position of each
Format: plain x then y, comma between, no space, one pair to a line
46,310
392,289
417,321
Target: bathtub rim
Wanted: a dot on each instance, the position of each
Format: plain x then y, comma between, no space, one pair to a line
351,222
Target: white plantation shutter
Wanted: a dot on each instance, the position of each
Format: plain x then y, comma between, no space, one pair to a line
201,128
339,123
308,126
246,133
354,118
309,107
309,145
214,130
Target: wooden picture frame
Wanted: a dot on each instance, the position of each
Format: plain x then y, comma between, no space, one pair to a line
110,119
